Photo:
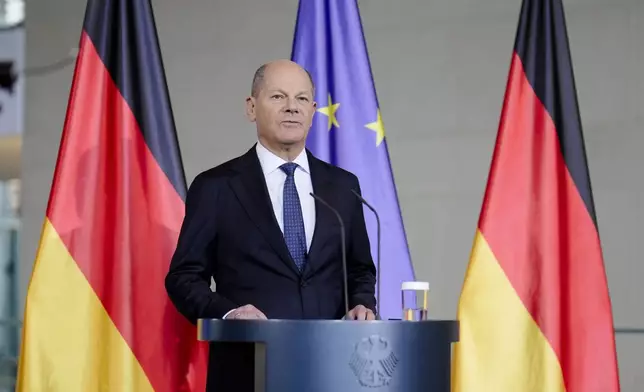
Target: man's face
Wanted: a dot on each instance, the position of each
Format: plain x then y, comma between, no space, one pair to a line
284,107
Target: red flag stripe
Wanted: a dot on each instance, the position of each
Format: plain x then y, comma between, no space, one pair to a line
540,231
115,211
125,37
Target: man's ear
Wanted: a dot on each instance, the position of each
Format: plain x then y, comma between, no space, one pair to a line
250,109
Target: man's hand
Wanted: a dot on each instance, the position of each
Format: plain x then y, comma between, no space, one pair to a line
360,313
246,312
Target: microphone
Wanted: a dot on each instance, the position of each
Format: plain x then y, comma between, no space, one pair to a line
377,251
344,251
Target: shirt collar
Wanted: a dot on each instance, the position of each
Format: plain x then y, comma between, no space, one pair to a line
271,162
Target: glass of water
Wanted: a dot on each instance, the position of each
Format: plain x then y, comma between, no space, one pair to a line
415,298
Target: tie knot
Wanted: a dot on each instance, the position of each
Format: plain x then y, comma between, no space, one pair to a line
289,168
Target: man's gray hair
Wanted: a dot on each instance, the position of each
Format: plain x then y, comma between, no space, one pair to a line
258,80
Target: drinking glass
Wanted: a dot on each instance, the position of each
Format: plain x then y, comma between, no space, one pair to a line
415,297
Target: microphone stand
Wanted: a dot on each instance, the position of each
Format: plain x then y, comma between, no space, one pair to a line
377,249
344,251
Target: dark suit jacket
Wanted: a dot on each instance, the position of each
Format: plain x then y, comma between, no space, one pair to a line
230,232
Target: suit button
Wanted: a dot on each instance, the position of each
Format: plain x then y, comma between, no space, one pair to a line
303,283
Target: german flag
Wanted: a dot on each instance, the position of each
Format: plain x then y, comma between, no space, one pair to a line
97,315
535,313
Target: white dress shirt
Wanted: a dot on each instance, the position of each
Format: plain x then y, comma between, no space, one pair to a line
275,178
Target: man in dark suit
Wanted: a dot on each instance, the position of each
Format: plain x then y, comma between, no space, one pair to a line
251,224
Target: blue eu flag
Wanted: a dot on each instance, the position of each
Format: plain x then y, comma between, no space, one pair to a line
347,128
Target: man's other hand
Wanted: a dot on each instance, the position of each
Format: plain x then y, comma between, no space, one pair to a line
360,313
246,312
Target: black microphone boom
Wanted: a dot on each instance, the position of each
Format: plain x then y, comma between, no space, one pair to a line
344,251
377,251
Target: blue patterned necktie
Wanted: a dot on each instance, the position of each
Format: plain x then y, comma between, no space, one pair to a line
293,221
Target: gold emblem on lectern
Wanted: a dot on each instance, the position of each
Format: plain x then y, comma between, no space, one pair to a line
373,362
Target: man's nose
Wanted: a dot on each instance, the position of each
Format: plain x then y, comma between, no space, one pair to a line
291,106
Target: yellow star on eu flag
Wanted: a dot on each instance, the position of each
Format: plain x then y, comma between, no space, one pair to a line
329,111
378,128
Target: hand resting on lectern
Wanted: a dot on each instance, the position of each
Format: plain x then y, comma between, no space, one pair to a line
246,312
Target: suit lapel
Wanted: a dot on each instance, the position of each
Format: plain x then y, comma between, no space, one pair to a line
326,223
250,188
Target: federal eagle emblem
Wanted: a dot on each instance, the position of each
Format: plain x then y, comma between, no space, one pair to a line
373,362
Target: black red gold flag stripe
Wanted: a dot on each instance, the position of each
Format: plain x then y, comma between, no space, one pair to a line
535,312
97,314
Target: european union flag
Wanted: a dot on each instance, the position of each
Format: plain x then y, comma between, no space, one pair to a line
347,129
